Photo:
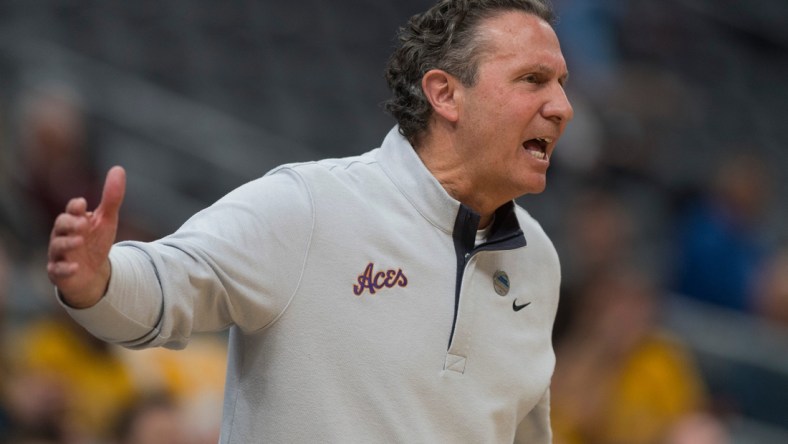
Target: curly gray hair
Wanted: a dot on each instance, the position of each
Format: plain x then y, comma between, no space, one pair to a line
444,37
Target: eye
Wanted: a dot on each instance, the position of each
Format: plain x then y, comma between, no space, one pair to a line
533,78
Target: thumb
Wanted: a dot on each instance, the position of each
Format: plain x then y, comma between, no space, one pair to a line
114,190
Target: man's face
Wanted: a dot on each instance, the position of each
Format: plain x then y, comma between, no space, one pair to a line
510,120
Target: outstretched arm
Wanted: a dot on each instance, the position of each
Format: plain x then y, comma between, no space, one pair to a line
78,262
237,262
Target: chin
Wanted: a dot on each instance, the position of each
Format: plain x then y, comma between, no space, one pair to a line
534,186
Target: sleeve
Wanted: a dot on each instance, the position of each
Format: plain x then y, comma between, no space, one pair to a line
238,262
535,427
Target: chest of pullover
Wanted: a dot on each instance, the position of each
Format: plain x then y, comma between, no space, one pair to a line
358,311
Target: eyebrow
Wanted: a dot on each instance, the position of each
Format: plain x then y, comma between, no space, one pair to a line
544,69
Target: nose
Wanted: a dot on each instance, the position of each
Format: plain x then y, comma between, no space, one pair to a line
557,108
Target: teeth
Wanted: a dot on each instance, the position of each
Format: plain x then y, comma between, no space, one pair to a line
538,154
545,139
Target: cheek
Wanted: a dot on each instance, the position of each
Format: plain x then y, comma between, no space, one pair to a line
504,107
492,107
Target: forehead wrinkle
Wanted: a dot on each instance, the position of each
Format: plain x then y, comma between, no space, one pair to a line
486,38
491,44
544,69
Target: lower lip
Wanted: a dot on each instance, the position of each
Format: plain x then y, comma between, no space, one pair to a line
543,162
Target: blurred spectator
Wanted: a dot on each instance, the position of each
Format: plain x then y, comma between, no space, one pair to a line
598,234
721,244
193,378
701,428
68,381
68,387
37,411
5,268
154,420
31,407
56,163
588,30
619,378
771,289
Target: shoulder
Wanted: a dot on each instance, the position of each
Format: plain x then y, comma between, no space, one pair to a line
290,183
531,227
538,243
280,189
291,190
329,177
327,169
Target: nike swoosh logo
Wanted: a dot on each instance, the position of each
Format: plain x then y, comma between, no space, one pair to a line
516,307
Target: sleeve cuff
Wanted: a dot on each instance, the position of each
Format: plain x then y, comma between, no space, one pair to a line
122,316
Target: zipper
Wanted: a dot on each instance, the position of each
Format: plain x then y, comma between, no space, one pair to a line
504,235
464,236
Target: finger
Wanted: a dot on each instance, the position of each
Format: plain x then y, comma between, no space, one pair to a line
62,245
57,271
66,224
114,191
77,206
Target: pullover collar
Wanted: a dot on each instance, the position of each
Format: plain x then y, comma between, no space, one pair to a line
409,174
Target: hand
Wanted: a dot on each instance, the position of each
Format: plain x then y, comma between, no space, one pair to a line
80,242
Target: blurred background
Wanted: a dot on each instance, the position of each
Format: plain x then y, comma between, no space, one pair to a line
666,198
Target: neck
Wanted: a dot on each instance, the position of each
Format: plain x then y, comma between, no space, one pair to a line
440,157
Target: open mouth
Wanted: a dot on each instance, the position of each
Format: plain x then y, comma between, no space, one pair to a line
537,147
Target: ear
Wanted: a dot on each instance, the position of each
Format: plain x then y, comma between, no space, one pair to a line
441,89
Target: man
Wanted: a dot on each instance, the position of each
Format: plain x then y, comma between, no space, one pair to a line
397,296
